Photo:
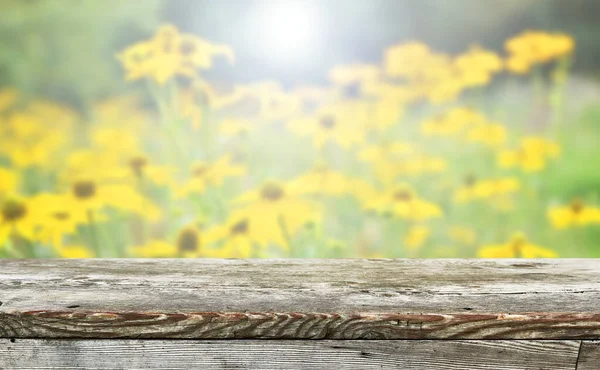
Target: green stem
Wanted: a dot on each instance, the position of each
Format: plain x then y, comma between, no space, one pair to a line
12,251
286,235
168,123
93,235
557,97
24,248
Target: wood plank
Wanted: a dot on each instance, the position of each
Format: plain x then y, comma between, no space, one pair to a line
301,299
589,356
287,354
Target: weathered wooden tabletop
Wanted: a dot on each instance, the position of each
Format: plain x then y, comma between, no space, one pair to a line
410,314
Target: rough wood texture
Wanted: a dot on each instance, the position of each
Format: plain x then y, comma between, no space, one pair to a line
301,299
589,356
256,354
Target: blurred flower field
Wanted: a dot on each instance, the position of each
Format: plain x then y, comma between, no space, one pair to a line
413,157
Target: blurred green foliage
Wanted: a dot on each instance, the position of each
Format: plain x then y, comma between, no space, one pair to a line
66,48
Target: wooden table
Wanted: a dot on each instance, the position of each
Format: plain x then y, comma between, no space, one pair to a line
295,314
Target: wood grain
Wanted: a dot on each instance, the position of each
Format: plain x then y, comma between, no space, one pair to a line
256,354
300,299
589,356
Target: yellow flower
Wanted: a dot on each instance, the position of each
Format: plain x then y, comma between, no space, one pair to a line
154,249
40,154
321,180
170,53
334,123
17,218
452,123
237,239
61,117
533,47
391,160
421,164
198,53
518,64
545,147
490,134
137,60
363,191
204,175
119,166
345,75
575,214
517,247
477,66
27,140
388,171
56,218
416,236
91,195
474,189
235,126
429,75
116,140
530,156
189,243
73,251
401,201
444,90
439,126
275,212
382,114
93,163
139,168
9,181
527,161
406,60
190,108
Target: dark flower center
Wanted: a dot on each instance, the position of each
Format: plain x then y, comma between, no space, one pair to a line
320,168
517,245
13,210
137,165
470,180
577,206
402,196
61,216
187,48
439,119
327,122
522,154
84,189
199,171
239,228
167,39
272,192
187,241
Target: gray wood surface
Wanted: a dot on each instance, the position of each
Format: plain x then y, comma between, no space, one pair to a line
287,354
589,356
300,299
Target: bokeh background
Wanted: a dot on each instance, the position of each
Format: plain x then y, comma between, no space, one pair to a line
66,52
55,49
